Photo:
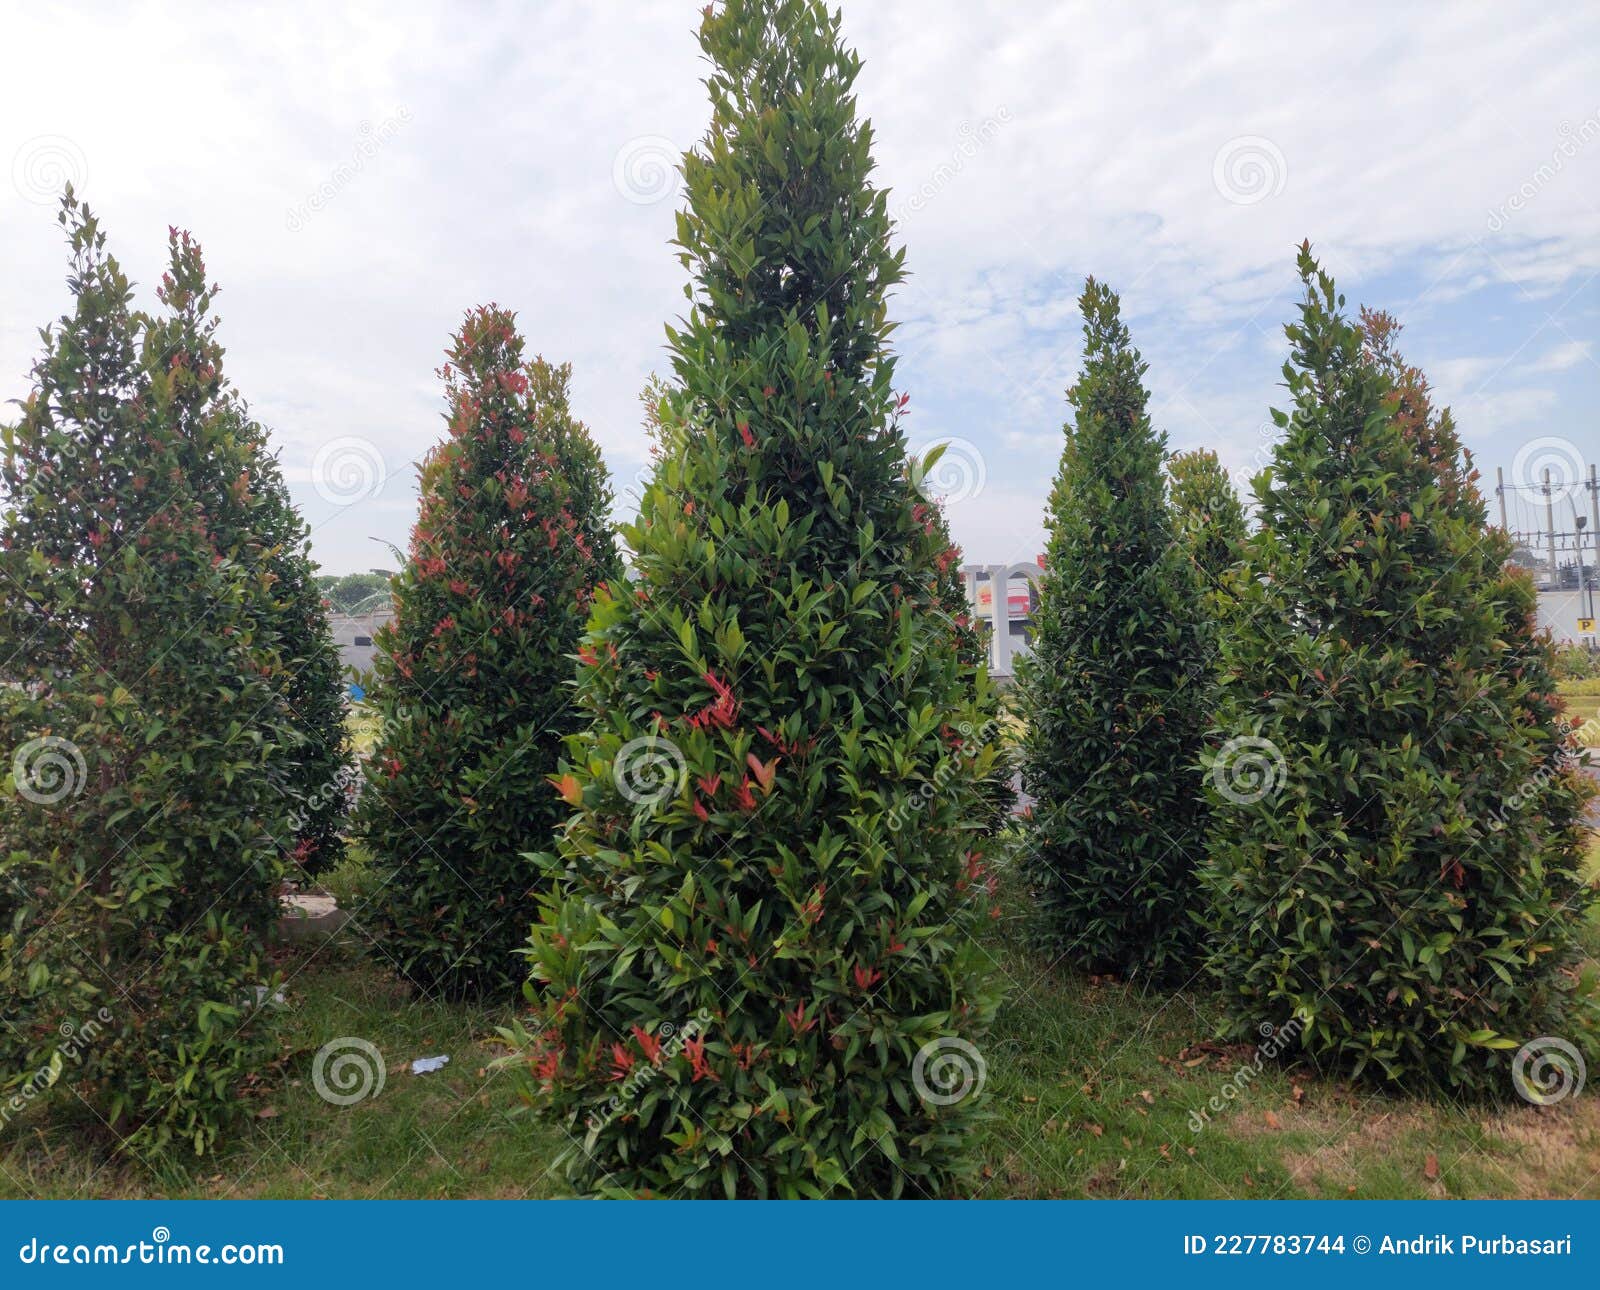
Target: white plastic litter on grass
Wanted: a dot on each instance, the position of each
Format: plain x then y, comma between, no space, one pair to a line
425,1064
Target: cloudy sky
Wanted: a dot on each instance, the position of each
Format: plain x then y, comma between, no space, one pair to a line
360,176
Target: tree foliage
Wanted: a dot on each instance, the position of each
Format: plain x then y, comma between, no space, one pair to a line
1396,859
354,592
473,674
142,715
1115,686
1207,515
318,775
750,979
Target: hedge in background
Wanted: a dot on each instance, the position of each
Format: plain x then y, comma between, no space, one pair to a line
751,982
972,652
320,773
1207,515
1115,687
473,674
316,773
141,723
1396,853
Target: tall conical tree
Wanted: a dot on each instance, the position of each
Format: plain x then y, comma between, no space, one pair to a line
1207,516
1396,854
473,674
251,513
753,985
142,722
1115,687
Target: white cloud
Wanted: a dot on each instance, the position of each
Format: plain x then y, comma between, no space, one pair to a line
1046,140
1563,357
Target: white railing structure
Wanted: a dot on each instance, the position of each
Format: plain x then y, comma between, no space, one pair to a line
1006,618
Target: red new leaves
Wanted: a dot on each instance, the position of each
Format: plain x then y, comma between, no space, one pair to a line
791,699
146,537
721,712
1471,818
510,543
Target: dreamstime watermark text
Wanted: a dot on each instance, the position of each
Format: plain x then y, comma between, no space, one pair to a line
370,140
76,1038
1571,139
1274,1040
160,1250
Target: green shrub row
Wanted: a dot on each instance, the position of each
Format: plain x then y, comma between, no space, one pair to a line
1339,781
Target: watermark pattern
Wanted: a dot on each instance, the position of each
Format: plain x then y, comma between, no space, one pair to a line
48,770
1561,457
348,1070
1274,1040
1261,456
1247,769
43,166
345,786
948,1070
650,770
1567,755
1547,1071
970,141
1249,169
670,1041
630,496
348,470
370,140
75,1040
1571,140
645,169
958,475
924,794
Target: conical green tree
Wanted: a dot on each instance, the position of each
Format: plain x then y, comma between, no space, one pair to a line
1395,865
751,984
473,674
141,721
1114,690
1207,516
252,514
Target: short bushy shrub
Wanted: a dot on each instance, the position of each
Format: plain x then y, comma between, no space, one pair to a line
473,675
140,718
1115,688
1576,663
750,982
1397,839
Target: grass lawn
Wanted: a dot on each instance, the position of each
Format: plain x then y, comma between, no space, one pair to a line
1091,1085
1582,711
1583,708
